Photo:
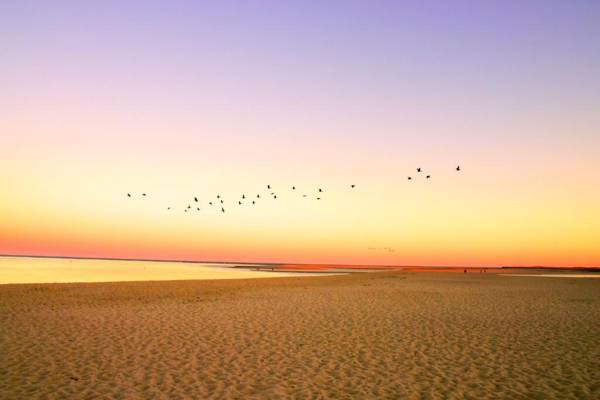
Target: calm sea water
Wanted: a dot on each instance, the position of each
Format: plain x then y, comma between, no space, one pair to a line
55,270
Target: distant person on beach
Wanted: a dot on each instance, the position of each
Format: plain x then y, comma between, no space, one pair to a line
465,271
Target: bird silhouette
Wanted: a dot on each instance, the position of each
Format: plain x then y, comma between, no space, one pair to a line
198,208
253,202
210,202
352,186
268,186
243,196
293,187
318,198
128,194
168,208
275,196
144,194
218,197
240,203
428,176
304,195
320,190
418,169
221,201
458,168
222,209
189,206
258,196
196,199
409,178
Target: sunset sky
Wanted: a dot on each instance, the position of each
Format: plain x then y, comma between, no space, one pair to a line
180,99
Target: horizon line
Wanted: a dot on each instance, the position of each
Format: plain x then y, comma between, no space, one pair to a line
286,263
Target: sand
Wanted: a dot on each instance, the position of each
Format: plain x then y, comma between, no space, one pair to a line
578,276
390,335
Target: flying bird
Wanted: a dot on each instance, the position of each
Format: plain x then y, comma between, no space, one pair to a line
258,196
318,198
418,169
458,168
128,194
198,208
243,196
352,186
268,186
253,202
293,187
222,209
189,206
218,197
320,190
196,199
221,201
144,194
409,178
210,202
428,176
240,203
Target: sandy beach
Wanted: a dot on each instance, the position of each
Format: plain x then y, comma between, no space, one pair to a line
383,335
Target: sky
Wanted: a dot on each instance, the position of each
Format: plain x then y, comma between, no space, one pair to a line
187,98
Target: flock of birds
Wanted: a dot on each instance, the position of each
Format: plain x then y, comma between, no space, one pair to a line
419,170
220,202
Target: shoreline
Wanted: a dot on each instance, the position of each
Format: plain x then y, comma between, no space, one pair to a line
39,270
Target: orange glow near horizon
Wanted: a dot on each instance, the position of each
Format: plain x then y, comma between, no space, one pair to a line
99,101
459,222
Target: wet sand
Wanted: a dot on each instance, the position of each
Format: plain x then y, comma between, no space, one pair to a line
577,276
389,335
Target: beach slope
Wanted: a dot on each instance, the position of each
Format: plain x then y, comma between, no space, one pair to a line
379,335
